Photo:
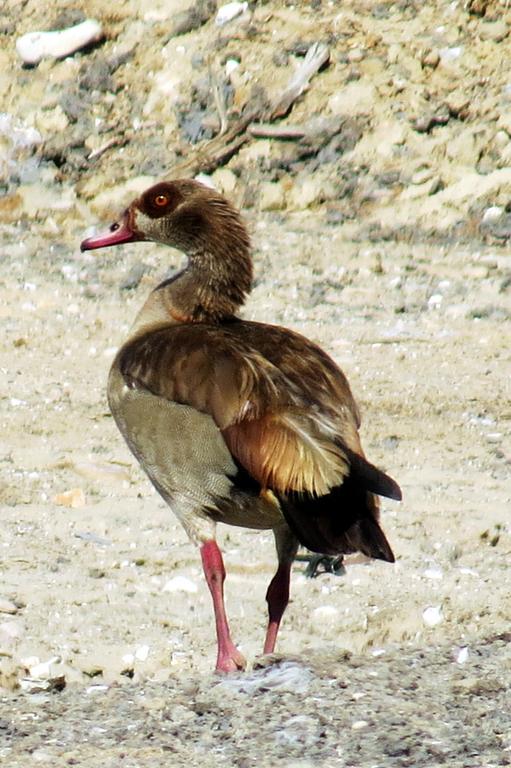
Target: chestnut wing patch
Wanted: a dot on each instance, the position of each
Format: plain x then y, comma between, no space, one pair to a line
286,453
286,442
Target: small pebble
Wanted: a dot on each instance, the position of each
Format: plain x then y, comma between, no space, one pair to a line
142,653
451,54
230,66
74,498
42,669
462,655
93,690
435,301
356,55
228,12
420,177
180,584
493,213
433,573
432,615
7,606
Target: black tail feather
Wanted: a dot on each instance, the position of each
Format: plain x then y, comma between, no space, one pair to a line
372,540
372,478
346,519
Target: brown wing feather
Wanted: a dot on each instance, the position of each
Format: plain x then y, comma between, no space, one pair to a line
321,382
283,406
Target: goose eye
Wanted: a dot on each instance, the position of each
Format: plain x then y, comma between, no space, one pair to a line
161,200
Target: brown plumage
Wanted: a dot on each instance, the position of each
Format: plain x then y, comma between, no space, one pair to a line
237,422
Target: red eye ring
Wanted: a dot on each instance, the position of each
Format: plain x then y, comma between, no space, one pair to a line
161,200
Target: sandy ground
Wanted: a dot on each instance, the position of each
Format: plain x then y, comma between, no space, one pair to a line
403,665
94,583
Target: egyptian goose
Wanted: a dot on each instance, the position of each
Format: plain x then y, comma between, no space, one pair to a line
236,422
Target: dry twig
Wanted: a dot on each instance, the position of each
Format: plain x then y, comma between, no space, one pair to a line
269,131
116,141
317,55
207,156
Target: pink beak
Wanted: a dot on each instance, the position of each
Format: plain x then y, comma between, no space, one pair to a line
117,233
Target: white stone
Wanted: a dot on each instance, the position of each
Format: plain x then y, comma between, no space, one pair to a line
42,670
230,66
501,139
142,653
493,213
435,300
35,46
462,655
451,54
421,176
433,573
92,690
228,12
355,55
432,615
180,584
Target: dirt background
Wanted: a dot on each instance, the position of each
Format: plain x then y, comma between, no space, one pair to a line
382,234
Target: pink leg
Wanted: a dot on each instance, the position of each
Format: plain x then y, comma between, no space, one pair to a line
277,598
229,659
